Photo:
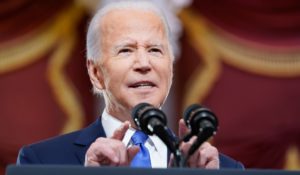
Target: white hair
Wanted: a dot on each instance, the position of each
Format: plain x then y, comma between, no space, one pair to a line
94,35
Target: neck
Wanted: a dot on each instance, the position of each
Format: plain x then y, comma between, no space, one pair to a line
120,114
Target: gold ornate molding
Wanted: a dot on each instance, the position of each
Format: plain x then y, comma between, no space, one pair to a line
267,61
215,47
204,77
27,49
62,88
292,159
58,34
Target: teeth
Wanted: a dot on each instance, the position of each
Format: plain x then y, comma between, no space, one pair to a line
143,85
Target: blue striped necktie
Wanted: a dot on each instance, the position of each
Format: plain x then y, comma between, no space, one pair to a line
142,158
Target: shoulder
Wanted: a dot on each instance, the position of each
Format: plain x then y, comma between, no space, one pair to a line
65,149
54,142
49,149
227,162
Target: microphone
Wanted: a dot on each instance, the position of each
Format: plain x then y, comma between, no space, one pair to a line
198,119
147,118
152,120
202,122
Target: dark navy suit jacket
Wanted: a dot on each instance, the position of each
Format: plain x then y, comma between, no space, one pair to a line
71,148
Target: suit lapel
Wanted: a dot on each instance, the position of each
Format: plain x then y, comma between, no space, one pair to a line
86,137
89,134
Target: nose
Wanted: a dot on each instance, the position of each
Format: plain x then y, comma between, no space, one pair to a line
142,63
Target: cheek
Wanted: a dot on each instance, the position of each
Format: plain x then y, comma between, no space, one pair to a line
116,84
168,73
113,82
166,76
116,72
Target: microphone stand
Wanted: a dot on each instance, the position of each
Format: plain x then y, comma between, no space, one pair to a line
173,145
205,132
203,135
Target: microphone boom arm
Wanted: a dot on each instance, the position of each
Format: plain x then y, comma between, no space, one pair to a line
162,132
205,132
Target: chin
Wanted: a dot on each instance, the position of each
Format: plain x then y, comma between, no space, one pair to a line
155,101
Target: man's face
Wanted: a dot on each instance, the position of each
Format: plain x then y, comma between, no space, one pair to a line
136,64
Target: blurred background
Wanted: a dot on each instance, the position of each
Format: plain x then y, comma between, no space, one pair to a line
239,58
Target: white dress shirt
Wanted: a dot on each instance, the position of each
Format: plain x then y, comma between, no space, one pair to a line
157,149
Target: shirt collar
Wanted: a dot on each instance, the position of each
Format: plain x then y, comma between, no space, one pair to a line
110,124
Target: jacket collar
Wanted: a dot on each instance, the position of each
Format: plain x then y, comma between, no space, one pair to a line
89,134
86,137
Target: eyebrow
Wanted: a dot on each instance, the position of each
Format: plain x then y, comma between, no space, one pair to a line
131,43
155,45
125,43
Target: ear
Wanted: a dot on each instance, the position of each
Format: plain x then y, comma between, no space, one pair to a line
95,74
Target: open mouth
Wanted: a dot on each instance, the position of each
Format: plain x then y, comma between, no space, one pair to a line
142,84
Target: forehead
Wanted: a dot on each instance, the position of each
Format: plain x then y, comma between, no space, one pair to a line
131,21
115,15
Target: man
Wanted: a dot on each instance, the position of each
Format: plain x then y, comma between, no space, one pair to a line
129,61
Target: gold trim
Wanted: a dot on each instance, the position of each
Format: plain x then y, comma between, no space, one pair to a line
268,62
62,88
64,92
292,159
58,34
21,55
28,49
204,77
214,48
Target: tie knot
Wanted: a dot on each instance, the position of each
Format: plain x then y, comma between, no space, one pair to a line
139,137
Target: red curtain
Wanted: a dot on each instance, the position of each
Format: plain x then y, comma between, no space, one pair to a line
44,87
244,57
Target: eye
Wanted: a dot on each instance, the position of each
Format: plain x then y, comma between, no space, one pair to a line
155,50
124,50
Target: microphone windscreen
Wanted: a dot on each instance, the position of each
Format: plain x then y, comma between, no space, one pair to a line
145,114
197,116
136,111
188,113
